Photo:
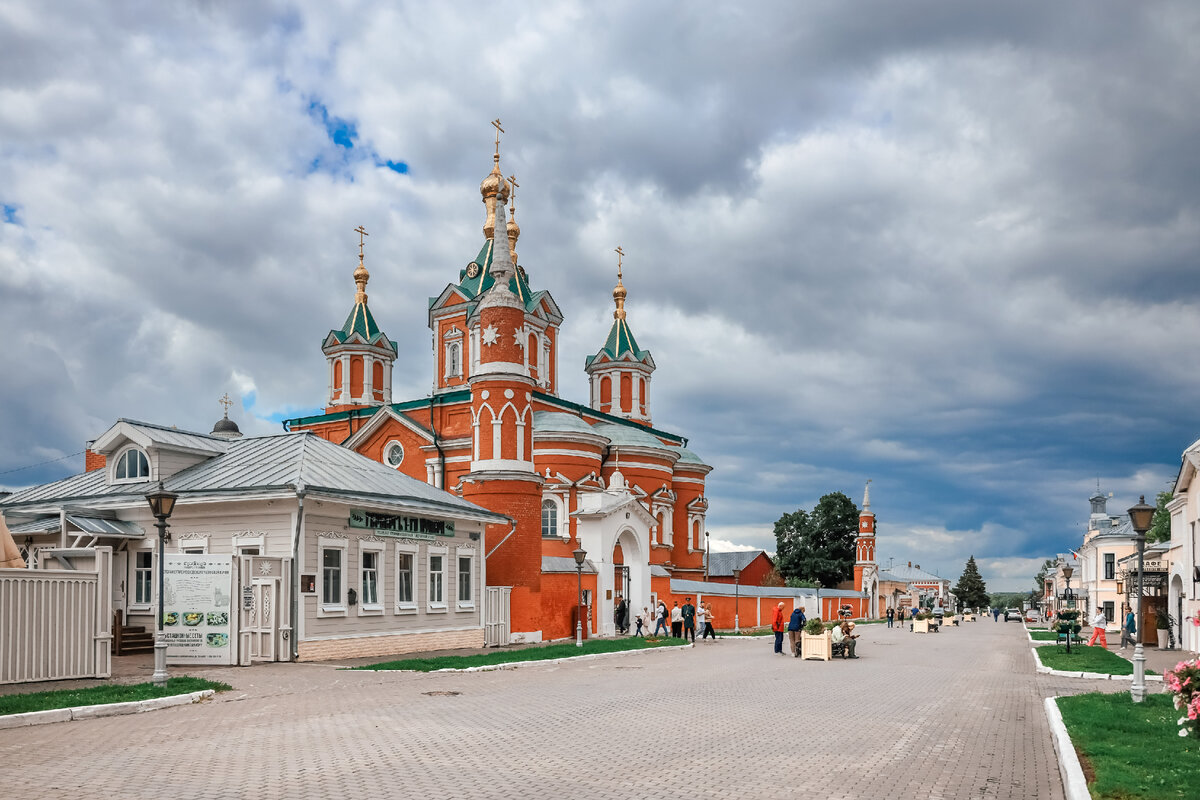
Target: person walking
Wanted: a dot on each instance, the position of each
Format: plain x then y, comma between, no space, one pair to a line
619,615
1129,629
777,628
891,616
642,620
676,621
795,625
688,612
1098,634
709,630
660,616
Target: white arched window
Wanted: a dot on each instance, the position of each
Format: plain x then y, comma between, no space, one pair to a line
453,360
549,519
131,466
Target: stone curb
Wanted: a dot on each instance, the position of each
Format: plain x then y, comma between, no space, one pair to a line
519,664
1095,676
1074,782
103,710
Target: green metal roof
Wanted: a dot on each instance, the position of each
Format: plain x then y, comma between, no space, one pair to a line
362,322
620,342
442,399
473,285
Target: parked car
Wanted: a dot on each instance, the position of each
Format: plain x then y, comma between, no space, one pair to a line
1011,614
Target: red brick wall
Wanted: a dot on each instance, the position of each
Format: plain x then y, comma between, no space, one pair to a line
93,461
517,562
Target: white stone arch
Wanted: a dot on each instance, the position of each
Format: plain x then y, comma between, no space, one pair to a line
635,554
1175,598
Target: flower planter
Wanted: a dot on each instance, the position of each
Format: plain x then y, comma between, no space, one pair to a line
819,647
1163,635
920,626
968,617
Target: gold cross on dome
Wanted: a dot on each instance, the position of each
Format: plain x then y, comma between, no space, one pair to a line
620,255
225,401
361,233
512,179
499,130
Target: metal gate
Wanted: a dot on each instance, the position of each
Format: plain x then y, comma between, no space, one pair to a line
496,624
266,629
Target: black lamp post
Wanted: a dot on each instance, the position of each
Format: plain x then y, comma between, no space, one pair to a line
1140,517
737,574
1067,572
162,503
580,554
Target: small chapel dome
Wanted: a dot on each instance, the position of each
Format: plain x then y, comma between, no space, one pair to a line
226,429
494,184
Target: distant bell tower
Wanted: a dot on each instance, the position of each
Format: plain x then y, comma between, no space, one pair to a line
619,374
865,570
359,355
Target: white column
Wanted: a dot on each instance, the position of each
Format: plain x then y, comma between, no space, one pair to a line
345,377
368,379
387,381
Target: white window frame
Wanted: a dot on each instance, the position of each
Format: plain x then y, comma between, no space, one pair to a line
414,552
122,454
468,604
337,609
134,603
431,553
558,516
387,447
241,543
196,545
366,609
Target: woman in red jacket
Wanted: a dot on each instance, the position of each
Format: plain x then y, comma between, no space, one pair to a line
777,627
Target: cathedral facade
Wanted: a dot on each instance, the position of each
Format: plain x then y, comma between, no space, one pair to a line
597,477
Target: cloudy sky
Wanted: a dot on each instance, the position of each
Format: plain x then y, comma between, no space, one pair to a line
948,247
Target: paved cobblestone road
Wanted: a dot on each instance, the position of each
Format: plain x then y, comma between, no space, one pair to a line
951,715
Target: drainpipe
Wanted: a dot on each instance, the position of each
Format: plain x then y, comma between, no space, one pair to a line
295,645
437,442
511,531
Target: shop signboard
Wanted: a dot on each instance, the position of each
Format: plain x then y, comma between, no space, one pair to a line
198,605
396,525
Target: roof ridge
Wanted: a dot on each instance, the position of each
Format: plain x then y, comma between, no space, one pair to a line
170,428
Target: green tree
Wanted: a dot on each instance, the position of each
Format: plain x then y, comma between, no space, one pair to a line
1039,580
970,590
1160,527
818,546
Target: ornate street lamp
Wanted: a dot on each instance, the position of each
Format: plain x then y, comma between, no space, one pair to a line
580,554
1140,517
737,574
162,503
1067,572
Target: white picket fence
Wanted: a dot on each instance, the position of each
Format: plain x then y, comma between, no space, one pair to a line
57,623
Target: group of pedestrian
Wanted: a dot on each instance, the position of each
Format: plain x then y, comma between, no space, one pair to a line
683,619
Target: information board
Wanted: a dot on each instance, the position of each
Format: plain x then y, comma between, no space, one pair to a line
198,599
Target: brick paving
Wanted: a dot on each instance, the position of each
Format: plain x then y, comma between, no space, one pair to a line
951,715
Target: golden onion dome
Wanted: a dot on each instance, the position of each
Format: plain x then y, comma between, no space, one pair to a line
494,184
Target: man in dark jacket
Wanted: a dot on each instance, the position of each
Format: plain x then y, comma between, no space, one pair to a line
795,625
689,620
620,615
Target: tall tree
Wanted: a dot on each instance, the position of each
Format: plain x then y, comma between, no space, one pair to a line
818,546
1160,526
970,590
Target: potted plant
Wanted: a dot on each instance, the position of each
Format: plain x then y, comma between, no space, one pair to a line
815,641
1162,626
1068,624
921,622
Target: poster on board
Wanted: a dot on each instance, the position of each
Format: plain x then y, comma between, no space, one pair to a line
198,609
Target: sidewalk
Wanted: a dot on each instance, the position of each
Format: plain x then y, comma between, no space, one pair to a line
1157,660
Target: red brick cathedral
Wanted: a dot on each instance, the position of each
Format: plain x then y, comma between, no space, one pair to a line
598,477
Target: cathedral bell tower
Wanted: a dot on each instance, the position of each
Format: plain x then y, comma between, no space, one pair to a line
619,374
865,570
502,476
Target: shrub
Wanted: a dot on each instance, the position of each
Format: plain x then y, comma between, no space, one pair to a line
814,627
924,615
1162,623
1184,682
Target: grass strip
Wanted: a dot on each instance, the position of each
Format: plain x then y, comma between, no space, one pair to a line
103,695
1043,636
1085,659
1131,750
534,653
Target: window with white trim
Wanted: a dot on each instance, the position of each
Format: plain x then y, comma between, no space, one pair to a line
549,519
1110,566
143,577
436,578
370,590
406,579
331,557
466,578
393,454
132,465
194,545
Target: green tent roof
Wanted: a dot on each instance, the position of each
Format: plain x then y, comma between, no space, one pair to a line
620,342
473,285
362,322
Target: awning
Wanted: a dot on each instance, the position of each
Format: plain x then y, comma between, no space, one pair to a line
39,525
93,525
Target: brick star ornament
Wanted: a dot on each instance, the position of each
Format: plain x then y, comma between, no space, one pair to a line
490,334
519,338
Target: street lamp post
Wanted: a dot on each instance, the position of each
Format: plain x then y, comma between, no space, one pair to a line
162,503
1067,572
737,574
1140,517
580,554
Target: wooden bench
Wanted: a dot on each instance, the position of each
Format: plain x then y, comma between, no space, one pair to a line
839,649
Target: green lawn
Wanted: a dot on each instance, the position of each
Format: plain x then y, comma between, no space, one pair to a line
100,695
1085,659
535,653
1132,750
1043,636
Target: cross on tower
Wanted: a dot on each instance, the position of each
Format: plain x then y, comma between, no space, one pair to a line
225,401
620,255
512,179
361,233
499,130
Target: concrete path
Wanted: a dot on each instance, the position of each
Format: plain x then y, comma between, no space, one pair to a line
956,714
